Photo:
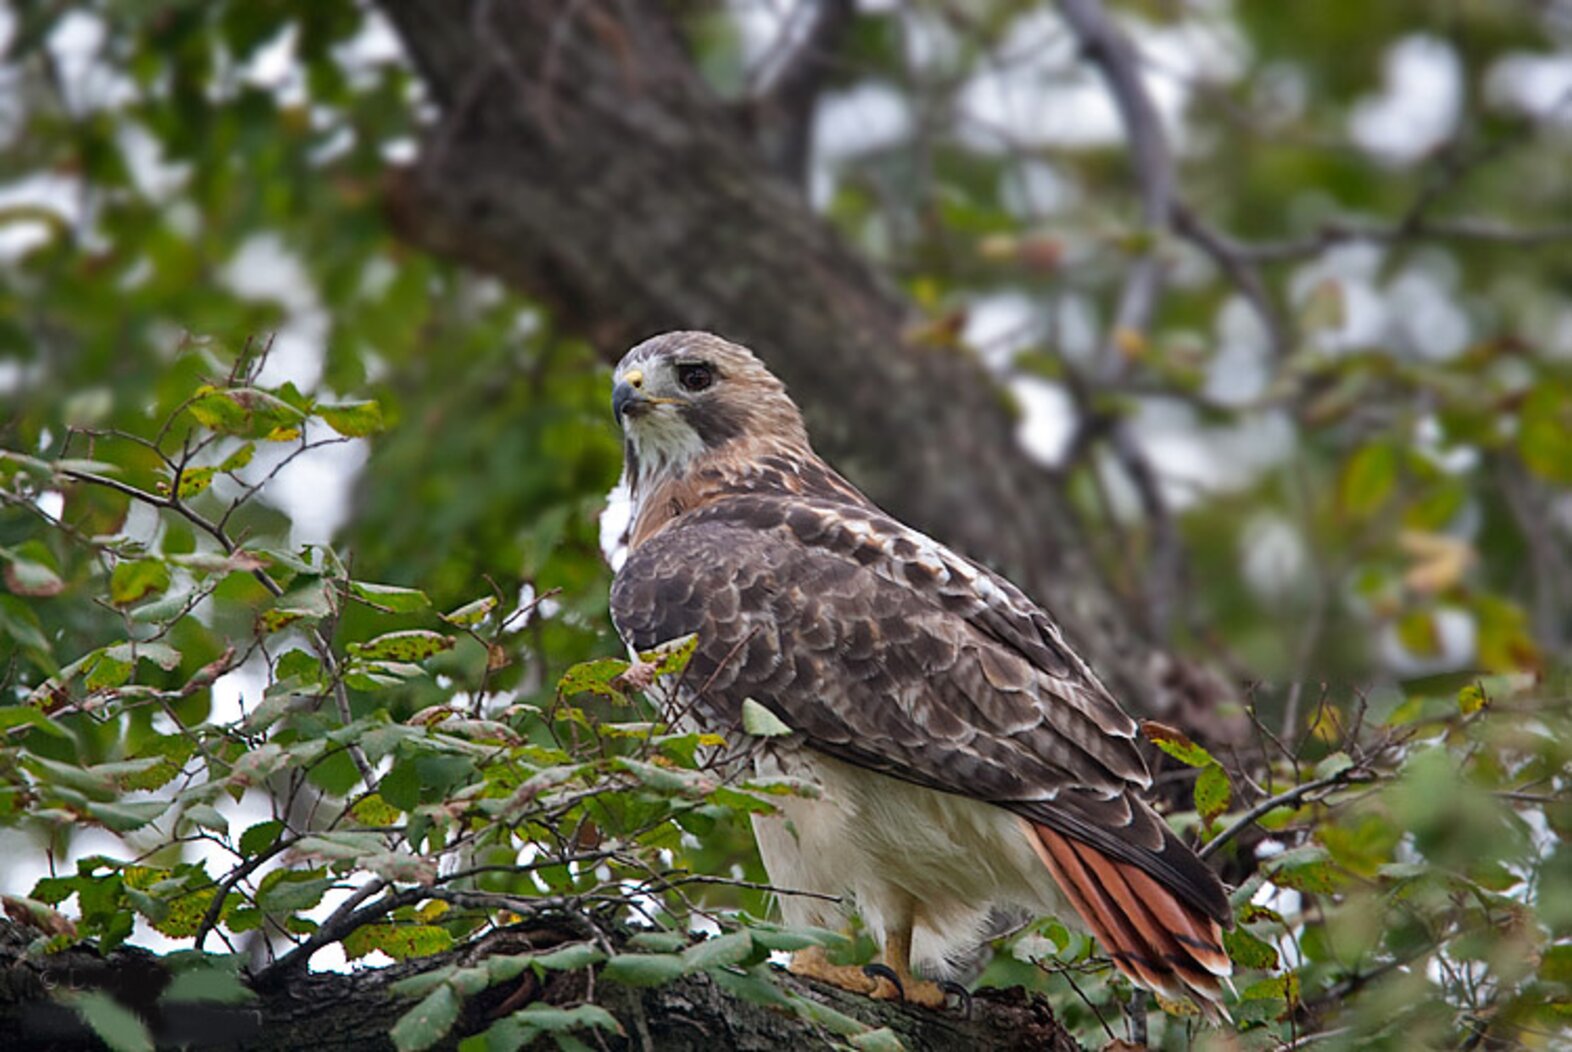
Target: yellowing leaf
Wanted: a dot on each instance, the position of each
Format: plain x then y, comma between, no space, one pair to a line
137,579
1212,792
398,941
217,411
471,613
1439,561
415,644
195,480
1176,743
353,419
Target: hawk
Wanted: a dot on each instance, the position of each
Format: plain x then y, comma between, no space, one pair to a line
968,762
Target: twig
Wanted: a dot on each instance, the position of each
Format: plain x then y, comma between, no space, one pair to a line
1340,232
1348,776
341,922
318,640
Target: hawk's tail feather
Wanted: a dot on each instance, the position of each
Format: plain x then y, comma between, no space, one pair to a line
1156,939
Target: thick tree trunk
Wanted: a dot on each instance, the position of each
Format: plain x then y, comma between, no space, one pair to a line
326,1012
580,158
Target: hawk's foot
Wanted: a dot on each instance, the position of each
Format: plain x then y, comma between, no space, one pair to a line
813,963
895,987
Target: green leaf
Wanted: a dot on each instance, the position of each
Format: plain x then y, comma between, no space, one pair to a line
391,597
212,985
1176,743
260,837
659,941
308,603
16,715
353,419
288,890
422,983
1248,951
239,458
552,1020
118,1027
1336,763
717,952
592,677
413,644
644,969
428,1022
1556,965
1367,480
136,579
761,722
126,816
105,672
1544,432
1212,792
208,817
1314,873
569,958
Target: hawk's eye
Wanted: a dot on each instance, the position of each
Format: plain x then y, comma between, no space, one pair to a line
694,376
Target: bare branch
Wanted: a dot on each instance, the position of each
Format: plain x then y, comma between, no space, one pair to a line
783,107
1153,165
1340,232
1356,774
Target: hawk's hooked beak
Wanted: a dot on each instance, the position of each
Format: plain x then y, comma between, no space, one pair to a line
626,396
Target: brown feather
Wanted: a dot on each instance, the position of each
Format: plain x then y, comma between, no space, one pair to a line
1121,940
1147,932
1201,937
1158,937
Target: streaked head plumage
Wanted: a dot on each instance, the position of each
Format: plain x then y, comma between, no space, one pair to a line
680,396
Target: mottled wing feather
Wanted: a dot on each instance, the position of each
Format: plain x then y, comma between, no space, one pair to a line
887,650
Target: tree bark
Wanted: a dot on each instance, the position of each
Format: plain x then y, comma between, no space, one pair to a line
580,158
329,1011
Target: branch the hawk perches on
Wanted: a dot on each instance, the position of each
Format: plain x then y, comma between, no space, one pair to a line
970,763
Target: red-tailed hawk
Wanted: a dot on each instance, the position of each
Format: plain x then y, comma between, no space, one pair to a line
969,762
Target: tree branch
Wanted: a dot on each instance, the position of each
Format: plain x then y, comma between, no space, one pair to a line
1356,774
784,105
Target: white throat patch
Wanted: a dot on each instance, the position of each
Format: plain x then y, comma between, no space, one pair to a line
665,444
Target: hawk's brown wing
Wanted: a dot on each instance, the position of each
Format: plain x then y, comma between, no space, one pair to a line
887,650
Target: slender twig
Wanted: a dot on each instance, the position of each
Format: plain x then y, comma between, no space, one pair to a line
1348,776
319,642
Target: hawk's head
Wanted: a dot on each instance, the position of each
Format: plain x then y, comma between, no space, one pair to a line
681,396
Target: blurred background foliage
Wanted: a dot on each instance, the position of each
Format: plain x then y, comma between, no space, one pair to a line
1362,428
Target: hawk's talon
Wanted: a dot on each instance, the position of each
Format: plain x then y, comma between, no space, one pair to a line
878,971
962,995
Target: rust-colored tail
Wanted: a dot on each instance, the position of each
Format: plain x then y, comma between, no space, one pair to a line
1156,939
